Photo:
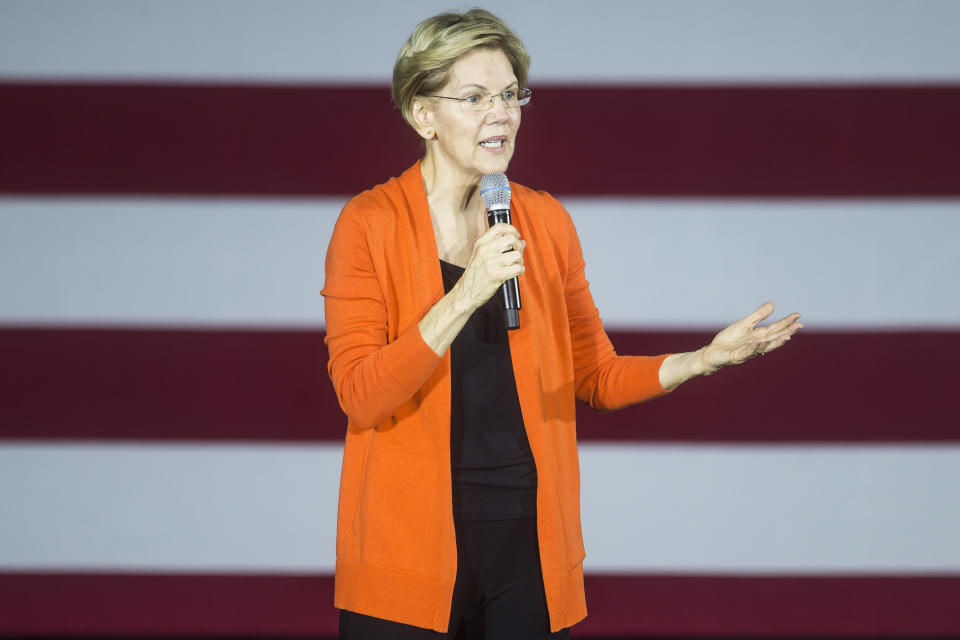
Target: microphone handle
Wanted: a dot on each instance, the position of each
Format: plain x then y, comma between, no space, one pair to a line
509,290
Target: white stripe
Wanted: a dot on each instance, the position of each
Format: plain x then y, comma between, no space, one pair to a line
646,508
168,507
691,263
770,509
164,261
615,40
705,263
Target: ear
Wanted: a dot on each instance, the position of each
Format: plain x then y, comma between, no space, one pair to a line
423,117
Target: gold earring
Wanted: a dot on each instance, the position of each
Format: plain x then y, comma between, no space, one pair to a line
429,133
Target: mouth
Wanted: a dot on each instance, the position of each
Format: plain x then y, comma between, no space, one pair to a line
494,143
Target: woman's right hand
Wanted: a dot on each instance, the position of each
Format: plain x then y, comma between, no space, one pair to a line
497,256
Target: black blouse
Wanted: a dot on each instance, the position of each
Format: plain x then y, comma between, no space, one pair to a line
493,472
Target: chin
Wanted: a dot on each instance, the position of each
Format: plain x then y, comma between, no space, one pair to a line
495,165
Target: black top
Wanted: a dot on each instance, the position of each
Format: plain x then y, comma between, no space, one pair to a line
494,476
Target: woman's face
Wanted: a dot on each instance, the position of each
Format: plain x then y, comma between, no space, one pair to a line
481,142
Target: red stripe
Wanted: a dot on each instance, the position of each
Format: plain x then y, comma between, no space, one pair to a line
174,605
766,606
618,605
688,141
273,385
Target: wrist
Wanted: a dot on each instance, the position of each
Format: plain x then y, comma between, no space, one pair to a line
676,369
461,302
702,358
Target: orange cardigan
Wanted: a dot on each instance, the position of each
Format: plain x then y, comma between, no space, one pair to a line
396,546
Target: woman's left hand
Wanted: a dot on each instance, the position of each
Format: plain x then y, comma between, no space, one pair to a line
743,340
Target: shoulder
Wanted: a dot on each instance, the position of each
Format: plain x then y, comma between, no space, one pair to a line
548,227
533,197
371,206
545,211
359,233
378,210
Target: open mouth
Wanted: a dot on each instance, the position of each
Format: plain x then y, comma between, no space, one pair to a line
496,142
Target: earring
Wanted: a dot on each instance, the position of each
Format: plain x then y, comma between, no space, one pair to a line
429,133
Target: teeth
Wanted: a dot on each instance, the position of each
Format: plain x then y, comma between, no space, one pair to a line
492,143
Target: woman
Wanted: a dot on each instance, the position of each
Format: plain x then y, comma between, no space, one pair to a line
459,509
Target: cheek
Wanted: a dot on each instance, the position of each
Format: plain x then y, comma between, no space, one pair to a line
515,124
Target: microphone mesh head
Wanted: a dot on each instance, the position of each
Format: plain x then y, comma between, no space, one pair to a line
495,191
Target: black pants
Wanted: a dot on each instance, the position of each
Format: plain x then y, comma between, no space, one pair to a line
498,593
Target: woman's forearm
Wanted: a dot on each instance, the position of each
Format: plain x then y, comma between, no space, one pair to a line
440,326
680,367
497,256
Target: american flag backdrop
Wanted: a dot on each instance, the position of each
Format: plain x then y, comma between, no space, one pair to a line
170,173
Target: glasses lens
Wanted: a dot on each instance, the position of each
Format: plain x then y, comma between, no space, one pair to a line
475,102
481,102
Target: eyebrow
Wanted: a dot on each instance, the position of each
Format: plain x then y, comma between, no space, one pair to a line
480,86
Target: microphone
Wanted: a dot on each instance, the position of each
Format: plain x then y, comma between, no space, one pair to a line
495,193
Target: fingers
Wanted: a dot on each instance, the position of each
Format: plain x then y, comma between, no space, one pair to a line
778,334
499,231
502,227
497,256
785,322
786,326
766,347
500,238
762,312
742,341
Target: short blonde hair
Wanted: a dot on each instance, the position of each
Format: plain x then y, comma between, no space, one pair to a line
423,64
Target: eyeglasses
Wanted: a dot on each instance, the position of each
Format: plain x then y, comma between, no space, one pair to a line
512,98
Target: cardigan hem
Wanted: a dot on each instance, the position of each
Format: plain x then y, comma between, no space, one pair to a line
392,595
567,596
401,597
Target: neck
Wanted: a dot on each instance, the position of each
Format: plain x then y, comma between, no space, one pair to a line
448,189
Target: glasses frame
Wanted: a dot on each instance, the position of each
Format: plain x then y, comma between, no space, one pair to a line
521,101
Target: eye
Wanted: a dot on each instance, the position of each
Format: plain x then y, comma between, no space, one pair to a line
509,95
473,98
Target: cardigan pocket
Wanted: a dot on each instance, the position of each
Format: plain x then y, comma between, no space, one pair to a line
393,516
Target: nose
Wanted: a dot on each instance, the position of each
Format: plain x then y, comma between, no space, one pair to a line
498,111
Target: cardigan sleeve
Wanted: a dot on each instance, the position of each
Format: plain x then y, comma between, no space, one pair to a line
372,376
602,378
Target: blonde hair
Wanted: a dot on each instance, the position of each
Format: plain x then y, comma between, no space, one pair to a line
423,64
